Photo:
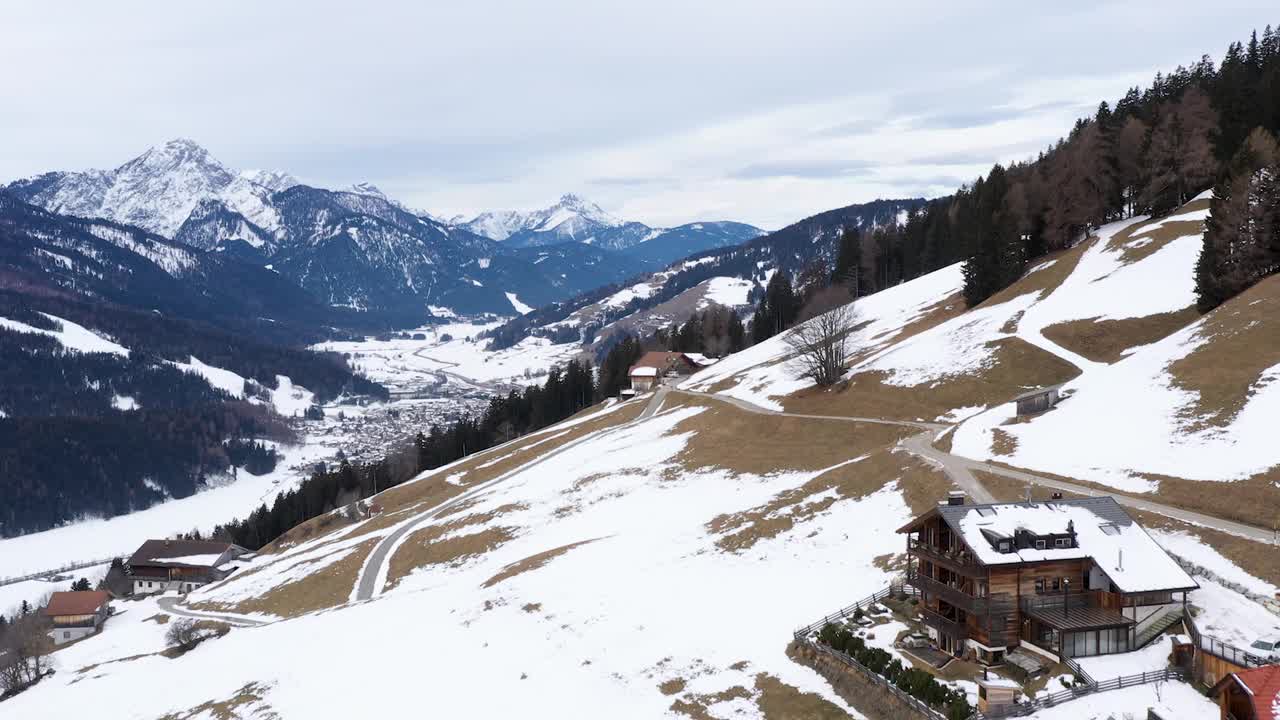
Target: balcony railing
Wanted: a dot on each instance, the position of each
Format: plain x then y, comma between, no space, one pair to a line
954,628
956,560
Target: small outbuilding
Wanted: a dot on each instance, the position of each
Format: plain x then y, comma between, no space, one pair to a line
1249,694
77,614
996,694
1037,401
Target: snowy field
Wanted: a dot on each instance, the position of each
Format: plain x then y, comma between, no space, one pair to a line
121,535
451,354
647,597
633,593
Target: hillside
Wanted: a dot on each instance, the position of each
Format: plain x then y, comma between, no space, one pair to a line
652,557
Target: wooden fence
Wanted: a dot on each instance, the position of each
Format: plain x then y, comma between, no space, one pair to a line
918,706
1086,689
1217,648
844,613
56,571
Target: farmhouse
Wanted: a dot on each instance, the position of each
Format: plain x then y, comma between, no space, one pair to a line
180,565
1250,694
1071,578
77,614
1037,401
652,367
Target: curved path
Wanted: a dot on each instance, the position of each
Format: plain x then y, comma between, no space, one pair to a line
372,576
170,605
960,470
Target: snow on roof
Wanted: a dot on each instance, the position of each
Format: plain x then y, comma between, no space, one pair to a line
700,359
644,372
207,560
999,682
1104,532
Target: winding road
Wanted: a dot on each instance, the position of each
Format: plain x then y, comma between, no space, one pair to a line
960,470
170,605
373,573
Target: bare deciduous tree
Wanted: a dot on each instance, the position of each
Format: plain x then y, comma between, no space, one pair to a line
23,654
820,345
185,634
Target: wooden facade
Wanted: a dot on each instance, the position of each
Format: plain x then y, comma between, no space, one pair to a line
1065,607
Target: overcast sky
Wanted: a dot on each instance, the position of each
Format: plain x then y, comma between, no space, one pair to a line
664,112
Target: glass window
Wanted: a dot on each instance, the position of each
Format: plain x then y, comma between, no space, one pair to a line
1039,584
1040,544
1057,584
1062,542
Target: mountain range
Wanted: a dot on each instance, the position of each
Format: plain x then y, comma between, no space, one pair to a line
357,248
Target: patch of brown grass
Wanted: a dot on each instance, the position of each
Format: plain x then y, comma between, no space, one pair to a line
533,562
1015,367
159,619
247,702
746,442
429,546
1003,442
1127,240
1107,340
325,588
780,701
1043,281
918,480
674,686
1241,345
695,706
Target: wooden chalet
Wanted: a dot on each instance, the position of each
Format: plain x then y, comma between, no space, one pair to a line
1070,578
653,366
181,565
73,615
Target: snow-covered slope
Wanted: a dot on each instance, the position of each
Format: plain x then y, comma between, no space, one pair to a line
1153,392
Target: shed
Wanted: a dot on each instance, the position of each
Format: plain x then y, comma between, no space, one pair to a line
1037,401
1249,694
643,378
995,694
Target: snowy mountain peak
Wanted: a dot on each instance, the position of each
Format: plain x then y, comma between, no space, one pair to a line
158,189
571,218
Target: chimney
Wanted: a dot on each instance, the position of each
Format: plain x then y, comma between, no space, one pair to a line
955,497
1120,559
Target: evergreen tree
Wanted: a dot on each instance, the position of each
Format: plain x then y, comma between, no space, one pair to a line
1240,245
849,270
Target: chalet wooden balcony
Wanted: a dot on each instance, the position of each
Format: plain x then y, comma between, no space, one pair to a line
996,604
954,560
946,626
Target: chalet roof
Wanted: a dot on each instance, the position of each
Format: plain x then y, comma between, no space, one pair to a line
1104,532
700,360
1263,686
84,602
1037,391
639,371
185,553
663,360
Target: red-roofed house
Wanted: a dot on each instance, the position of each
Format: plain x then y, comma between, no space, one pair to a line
77,614
1250,694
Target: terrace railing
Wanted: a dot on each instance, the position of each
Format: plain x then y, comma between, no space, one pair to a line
848,612
1219,649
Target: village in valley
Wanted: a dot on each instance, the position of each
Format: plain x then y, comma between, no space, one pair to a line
908,363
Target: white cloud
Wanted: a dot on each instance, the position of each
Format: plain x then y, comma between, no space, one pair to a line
665,111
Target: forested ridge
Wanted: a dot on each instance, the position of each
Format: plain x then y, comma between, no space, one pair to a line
100,434
1150,153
